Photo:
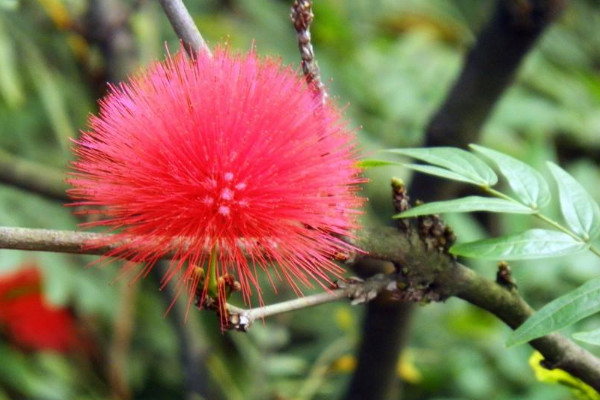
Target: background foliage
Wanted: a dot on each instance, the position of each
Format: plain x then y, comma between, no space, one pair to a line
391,62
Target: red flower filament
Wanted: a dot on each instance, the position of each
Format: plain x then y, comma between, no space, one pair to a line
225,155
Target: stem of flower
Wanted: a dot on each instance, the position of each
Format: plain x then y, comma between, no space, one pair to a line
213,287
501,195
184,26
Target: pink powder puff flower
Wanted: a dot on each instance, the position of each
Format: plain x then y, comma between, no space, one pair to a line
227,162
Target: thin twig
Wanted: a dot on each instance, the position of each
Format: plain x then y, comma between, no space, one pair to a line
302,16
241,319
184,27
357,290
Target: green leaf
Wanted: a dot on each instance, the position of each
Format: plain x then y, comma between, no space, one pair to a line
528,184
467,204
463,163
534,243
560,313
441,172
591,337
579,209
376,163
556,376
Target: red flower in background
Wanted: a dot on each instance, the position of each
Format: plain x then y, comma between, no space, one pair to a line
28,320
215,155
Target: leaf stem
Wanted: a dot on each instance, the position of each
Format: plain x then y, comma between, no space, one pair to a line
544,218
499,194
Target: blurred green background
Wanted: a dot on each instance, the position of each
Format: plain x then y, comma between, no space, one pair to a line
390,64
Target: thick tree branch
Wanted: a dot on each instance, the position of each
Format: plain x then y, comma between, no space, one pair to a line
509,306
489,70
184,26
386,326
107,26
442,277
424,274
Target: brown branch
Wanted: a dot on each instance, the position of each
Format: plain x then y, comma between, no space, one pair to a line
424,274
184,26
489,70
386,325
107,26
442,277
510,307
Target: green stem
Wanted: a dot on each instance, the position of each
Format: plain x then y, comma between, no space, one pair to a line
496,193
213,289
595,251
544,218
558,226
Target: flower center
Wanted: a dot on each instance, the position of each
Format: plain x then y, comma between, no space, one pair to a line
225,194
